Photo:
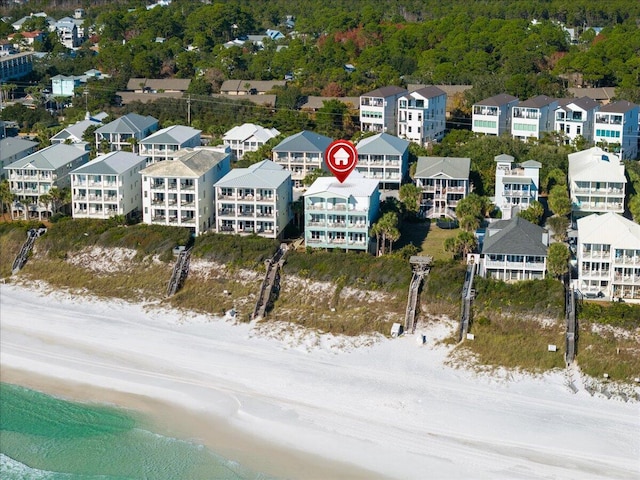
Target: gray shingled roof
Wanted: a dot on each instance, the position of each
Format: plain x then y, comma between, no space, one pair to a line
190,164
129,123
452,167
50,158
621,106
537,102
11,145
174,135
429,92
515,237
584,102
112,163
497,100
382,144
264,174
304,141
384,92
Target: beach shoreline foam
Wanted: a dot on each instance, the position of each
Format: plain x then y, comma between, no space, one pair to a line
293,410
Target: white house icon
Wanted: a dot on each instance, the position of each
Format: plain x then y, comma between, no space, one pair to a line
341,157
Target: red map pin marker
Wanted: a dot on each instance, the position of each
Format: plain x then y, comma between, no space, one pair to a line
341,158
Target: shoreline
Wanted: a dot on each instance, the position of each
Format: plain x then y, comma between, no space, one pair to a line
310,406
175,421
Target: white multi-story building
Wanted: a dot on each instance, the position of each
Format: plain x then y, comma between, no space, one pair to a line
340,215
529,119
596,182
124,132
575,118
492,116
36,174
378,112
444,181
180,192
616,129
13,149
301,154
422,115
609,257
68,33
385,158
247,138
165,144
517,185
256,200
108,185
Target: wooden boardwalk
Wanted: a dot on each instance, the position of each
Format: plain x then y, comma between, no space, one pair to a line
270,282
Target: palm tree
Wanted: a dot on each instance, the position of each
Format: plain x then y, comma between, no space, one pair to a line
45,200
6,197
387,228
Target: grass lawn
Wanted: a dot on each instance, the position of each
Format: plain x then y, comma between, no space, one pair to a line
433,244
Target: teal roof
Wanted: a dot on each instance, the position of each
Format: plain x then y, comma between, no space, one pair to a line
112,163
50,158
304,141
264,174
382,144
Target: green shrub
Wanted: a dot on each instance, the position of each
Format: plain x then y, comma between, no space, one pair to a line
623,315
245,251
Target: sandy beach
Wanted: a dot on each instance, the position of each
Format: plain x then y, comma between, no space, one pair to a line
298,405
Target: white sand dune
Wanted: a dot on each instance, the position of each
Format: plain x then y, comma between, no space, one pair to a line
307,408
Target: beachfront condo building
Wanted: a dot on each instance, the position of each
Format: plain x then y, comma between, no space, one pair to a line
108,185
597,182
256,199
616,129
384,158
301,154
125,132
35,175
339,215
180,192
609,257
166,143
444,181
516,185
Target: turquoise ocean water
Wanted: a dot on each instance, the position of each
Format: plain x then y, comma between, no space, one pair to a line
43,437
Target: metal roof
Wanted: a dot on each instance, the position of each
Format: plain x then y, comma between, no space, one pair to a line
129,123
264,174
174,135
112,163
51,158
10,146
248,130
355,185
190,164
383,144
514,237
609,229
452,167
594,164
304,141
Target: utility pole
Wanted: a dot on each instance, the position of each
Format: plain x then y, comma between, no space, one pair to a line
189,109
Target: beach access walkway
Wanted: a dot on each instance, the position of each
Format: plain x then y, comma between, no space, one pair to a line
25,250
270,283
421,266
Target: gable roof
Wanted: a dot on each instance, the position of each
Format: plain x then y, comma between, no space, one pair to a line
427,92
621,106
452,167
259,175
383,144
537,102
10,146
315,103
609,228
585,103
173,135
304,141
112,163
50,158
191,163
180,84
596,164
388,91
515,237
259,85
497,100
355,185
129,123
77,129
248,130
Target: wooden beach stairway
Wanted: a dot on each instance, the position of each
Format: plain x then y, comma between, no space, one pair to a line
468,294
27,246
180,271
271,280
572,326
421,266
